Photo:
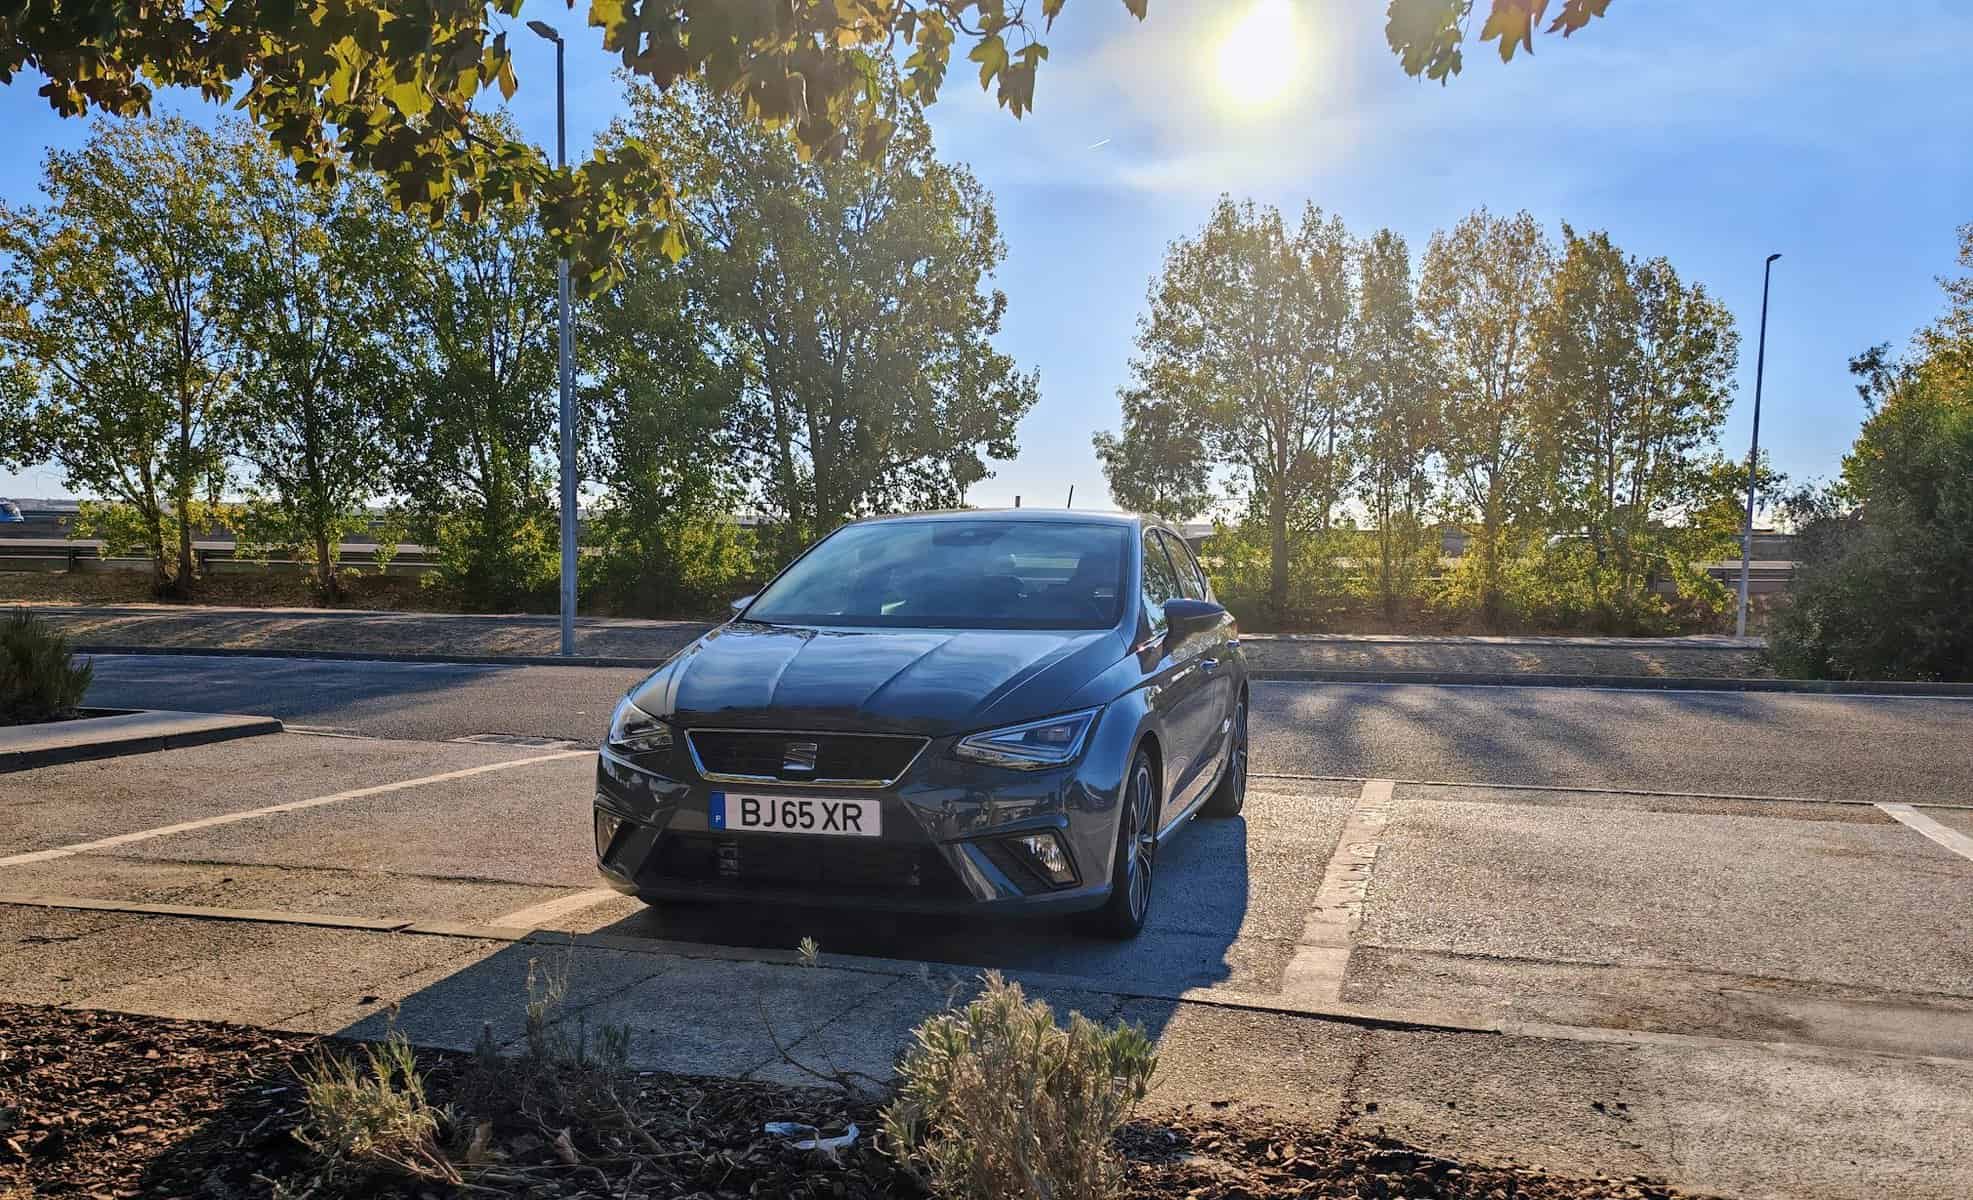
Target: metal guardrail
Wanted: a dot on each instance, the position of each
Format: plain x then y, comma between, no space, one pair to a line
83,559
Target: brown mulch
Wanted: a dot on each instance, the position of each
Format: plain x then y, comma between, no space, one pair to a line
96,1104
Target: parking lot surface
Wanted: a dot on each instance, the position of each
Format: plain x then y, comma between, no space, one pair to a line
1687,935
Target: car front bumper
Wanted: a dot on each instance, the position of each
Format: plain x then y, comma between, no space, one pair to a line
947,843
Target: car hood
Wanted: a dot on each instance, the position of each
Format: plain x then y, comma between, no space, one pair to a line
927,681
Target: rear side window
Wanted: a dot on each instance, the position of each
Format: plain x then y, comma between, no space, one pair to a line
1190,581
1160,581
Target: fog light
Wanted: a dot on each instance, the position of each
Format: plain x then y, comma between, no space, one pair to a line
607,825
1044,851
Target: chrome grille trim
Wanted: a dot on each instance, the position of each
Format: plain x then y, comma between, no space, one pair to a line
699,765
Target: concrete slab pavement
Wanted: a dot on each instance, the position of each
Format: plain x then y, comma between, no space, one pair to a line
1869,906
1743,1119
1740,1120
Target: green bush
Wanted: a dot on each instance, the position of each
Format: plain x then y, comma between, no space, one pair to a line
1323,581
1885,589
1556,583
39,677
998,1102
682,565
500,561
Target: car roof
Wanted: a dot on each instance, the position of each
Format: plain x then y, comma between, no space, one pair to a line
1056,516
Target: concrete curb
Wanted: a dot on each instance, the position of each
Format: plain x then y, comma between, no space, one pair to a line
1648,683
26,746
487,660
1718,643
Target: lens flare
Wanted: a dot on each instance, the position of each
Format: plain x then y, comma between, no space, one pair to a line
1260,56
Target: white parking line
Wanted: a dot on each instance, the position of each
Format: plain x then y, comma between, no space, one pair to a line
1622,691
1951,839
142,835
534,916
1315,973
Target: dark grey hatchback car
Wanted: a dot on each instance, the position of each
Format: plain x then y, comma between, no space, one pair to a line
948,712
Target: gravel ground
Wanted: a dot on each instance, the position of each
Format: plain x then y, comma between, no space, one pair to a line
100,1104
167,627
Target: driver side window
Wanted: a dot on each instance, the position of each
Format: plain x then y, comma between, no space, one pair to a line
1160,581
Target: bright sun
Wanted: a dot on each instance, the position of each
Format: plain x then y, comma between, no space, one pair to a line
1257,61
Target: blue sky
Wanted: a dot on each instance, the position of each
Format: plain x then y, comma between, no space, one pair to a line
1709,133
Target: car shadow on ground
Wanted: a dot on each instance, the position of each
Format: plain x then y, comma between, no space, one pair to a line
723,1013
1199,906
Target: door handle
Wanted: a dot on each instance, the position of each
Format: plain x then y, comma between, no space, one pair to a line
1210,664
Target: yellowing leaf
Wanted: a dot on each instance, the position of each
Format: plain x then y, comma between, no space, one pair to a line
409,97
991,54
1513,21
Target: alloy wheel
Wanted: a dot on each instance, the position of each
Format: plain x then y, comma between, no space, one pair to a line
1141,842
1240,749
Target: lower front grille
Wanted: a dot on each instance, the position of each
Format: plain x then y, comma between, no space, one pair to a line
834,865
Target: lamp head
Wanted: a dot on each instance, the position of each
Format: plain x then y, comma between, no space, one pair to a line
1772,257
545,30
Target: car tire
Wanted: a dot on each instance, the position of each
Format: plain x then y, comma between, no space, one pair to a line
1231,795
1131,868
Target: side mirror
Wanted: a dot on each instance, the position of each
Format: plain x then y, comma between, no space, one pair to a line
1183,618
741,603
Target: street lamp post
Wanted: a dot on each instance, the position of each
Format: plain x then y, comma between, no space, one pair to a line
1753,455
564,365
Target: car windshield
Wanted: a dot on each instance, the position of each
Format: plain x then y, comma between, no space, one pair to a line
960,574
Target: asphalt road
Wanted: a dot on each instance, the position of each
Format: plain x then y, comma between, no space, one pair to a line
1826,747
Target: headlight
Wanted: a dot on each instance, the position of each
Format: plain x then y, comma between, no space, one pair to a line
634,731
1032,746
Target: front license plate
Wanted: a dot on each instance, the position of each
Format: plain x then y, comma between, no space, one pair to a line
828,816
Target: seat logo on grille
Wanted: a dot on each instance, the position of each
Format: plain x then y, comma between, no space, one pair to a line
798,756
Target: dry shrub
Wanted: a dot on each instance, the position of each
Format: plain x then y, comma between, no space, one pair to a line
997,1101
375,1114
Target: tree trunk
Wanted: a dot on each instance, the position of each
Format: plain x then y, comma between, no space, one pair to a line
325,568
1387,565
182,586
1490,564
1277,567
160,579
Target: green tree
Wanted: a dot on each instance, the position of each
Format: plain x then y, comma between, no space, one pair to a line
1426,35
474,434
392,87
1397,400
114,293
1479,292
318,302
663,443
20,385
1634,377
854,298
1246,333
1158,465
1885,586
